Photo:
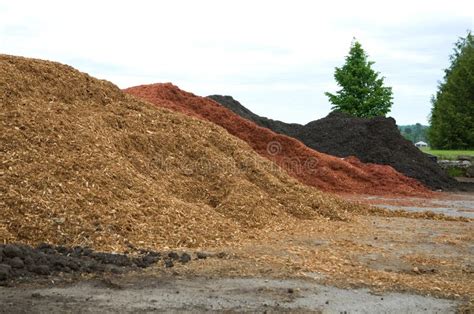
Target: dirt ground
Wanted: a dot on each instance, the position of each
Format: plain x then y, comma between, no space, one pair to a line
184,294
450,204
372,264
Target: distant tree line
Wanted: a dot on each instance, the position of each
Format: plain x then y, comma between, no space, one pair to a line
415,132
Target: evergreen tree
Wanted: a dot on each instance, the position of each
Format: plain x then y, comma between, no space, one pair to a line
452,114
362,93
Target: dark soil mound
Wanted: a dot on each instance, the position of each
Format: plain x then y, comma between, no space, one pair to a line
370,140
25,261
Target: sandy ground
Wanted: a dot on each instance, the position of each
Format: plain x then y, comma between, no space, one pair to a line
369,265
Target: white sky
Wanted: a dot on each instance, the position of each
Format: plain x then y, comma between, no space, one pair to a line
276,57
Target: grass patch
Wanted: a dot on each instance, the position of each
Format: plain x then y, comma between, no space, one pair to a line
456,172
448,154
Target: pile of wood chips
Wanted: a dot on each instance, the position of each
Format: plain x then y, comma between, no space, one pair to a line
84,164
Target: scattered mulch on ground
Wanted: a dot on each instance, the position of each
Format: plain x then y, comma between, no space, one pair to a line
20,261
384,254
374,140
84,164
316,169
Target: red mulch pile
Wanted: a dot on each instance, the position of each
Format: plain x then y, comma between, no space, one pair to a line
313,168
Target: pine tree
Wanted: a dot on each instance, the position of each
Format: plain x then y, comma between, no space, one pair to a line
363,93
452,114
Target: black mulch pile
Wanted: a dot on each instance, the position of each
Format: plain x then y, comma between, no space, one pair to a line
374,140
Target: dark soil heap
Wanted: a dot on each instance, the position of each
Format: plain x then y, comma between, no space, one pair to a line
374,140
25,261
82,163
20,261
313,168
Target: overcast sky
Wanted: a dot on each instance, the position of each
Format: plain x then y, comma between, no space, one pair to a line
276,57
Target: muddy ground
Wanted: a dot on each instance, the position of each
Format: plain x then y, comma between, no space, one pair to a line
372,264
